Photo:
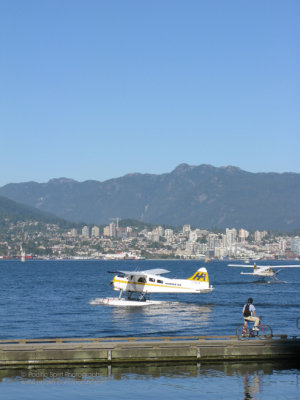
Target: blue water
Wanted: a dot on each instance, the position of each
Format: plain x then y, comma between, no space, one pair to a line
40,299
218,381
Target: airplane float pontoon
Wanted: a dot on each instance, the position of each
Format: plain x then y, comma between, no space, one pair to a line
138,285
263,271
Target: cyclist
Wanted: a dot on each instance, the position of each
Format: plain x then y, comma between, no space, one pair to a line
249,314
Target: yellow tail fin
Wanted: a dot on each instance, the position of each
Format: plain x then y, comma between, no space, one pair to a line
200,275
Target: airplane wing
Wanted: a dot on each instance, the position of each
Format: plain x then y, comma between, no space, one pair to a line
240,265
284,266
261,267
154,271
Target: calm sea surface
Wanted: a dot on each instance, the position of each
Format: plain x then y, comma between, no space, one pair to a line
44,299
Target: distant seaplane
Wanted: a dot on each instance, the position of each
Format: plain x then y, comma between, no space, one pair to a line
138,285
262,270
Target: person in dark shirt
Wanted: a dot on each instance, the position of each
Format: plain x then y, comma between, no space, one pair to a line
249,313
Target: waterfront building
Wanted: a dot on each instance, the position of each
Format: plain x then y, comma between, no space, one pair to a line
159,231
131,233
223,240
112,229
73,232
203,248
95,231
186,230
122,233
155,237
144,233
257,236
198,233
169,233
85,232
220,252
190,247
282,245
295,245
148,236
232,250
243,235
106,231
193,236
231,235
212,240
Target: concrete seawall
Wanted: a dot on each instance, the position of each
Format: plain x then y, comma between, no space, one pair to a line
67,352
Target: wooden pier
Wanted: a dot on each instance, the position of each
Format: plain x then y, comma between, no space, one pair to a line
86,351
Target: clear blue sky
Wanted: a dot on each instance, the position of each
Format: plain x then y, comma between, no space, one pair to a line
95,89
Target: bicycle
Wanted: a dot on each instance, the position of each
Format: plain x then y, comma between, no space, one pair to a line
243,332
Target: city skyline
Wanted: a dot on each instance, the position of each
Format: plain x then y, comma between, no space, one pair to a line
114,242
100,89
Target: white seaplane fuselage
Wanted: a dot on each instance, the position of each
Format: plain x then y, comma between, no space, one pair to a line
263,272
198,283
138,285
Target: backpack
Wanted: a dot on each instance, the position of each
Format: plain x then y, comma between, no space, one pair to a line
247,312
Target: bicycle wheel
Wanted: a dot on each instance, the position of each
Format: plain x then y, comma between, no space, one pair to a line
242,332
265,332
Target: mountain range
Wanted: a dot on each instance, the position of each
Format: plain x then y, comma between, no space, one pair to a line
203,196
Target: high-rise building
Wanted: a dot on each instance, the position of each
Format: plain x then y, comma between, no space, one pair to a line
95,231
295,245
73,232
193,236
169,233
155,237
243,234
106,231
159,231
282,245
257,236
85,231
231,235
212,241
112,229
186,230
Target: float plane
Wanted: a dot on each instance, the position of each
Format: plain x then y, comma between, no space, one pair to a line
138,285
263,271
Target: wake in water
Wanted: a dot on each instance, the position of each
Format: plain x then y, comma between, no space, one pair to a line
272,281
114,301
